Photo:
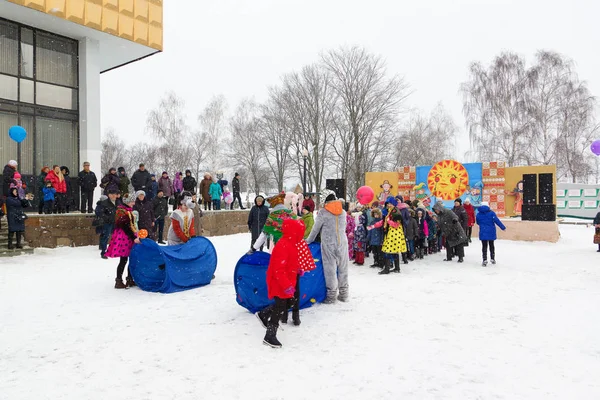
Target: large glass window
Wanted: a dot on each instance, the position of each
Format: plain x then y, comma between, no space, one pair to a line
39,91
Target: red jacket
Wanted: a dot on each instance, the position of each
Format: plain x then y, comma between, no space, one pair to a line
470,213
310,203
61,187
290,256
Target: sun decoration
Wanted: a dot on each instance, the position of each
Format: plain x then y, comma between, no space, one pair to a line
448,180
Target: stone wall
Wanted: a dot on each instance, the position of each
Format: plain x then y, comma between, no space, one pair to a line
76,229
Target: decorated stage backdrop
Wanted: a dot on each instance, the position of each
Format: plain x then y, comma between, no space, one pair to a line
447,180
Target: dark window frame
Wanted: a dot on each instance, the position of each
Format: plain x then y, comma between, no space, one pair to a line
41,110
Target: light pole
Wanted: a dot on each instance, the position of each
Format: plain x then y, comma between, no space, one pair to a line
305,156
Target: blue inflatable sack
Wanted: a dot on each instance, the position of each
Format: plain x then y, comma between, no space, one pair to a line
250,280
170,269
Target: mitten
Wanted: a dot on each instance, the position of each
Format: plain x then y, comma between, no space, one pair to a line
289,291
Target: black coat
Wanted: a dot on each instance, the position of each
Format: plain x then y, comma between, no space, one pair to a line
15,214
463,217
141,180
450,226
190,184
597,219
146,219
236,185
87,181
7,178
108,211
69,193
257,219
161,207
110,182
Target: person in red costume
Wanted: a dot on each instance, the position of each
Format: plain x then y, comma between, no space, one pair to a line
182,221
291,257
471,214
58,182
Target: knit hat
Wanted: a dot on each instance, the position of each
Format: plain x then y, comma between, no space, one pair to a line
187,171
276,200
391,200
330,197
375,204
139,193
459,201
165,172
307,208
113,191
121,169
12,163
129,199
17,175
439,206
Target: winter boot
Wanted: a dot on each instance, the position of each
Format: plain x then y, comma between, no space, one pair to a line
484,263
386,267
271,338
343,296
130,282
263,318
397,265
460,259
375,265
404,258
330,299
10,240
421,253
284,317
296,317
119,284
493,261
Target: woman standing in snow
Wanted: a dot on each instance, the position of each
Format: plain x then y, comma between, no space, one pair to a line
123,239
394,242
177,189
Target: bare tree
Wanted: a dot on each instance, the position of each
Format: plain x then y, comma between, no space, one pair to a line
495,108
213,124
167,126
426,140
247,145
113,151
145,152
198,152
307,97
276,128
370,102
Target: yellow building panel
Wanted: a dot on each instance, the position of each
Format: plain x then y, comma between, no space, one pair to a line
155,14
36,4
126,7
56,8
140,32
113,4
93,15
136,20
126,27
141,11
110,21
155,37
75,11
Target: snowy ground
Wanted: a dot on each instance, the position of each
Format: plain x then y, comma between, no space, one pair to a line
525,329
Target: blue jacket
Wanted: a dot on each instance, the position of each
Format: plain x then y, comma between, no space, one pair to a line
487,221
49,194
375,236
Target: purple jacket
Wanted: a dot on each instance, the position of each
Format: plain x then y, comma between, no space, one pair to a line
178,183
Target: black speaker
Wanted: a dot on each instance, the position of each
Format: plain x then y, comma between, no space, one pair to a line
542,212
338,186
546,189
530,189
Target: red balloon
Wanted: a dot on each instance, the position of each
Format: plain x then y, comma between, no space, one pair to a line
365,195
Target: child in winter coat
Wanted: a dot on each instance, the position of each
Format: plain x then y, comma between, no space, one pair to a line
412,233
422,233
432,239
226,193
375,238
215,192
487,221
123,239
18,183
360,240
291,257
308,219
16,217
49,193
350,228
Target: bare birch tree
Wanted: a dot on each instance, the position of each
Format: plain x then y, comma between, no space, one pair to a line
213,124
114,152
247,145
495,109
370,102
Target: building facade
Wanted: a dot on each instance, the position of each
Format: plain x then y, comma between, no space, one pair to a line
52,53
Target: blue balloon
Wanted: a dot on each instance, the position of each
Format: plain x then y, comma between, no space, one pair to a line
17,133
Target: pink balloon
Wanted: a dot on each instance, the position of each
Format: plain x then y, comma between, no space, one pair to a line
595,147
365,195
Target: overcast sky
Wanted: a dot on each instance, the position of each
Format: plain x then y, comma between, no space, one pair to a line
240,47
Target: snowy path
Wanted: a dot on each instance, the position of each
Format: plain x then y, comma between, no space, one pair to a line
528,328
